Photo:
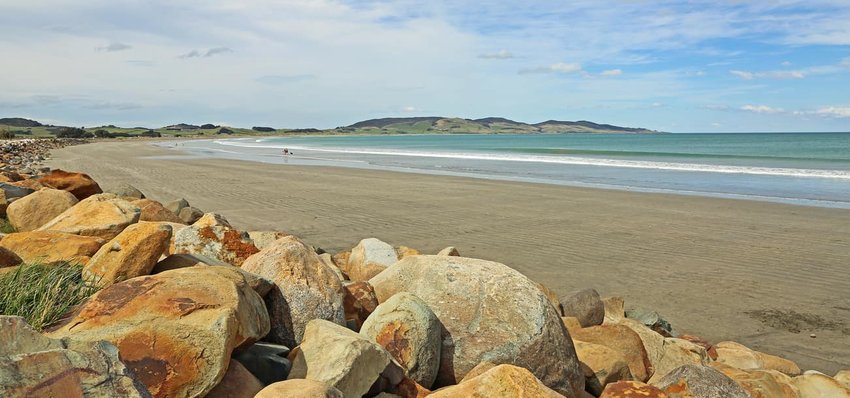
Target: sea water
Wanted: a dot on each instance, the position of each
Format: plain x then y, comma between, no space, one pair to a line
801,168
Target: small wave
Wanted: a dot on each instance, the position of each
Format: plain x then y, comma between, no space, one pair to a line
572,160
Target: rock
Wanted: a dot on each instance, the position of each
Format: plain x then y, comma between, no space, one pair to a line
220,243
8,258
404,251
126,191
676,353
359,301
503,381
571,323
328,260
601,366
30,183
623,340
12,192
338,357
843,377
175,330
32,365
80,185
266,361
36,209
306,289
134,252
49,247
176,205
709,348
631,389
189,215
341,261
263,239
369,258
699,382
478,370
761,383
741,357
552,297
614,309
652,320
152,210
490,312
300,388
817,385
410,332
449,251
175,261
103,216
584,305
238,382
212,220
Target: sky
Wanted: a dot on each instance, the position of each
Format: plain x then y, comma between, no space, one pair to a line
669,65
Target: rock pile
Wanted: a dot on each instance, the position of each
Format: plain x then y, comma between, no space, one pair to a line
191,306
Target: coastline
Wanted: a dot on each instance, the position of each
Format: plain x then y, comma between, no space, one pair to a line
701,262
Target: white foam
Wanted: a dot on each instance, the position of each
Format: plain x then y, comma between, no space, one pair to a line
571,160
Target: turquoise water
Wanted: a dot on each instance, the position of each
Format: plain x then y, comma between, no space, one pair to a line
811,169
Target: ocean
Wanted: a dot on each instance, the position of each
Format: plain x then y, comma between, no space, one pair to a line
800,168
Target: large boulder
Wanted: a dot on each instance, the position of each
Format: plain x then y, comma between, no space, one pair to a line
489,312
189,215
761,383
369,258
32,365
631,389
410,332
359,301
665,354
78,184
339,357
585,305
175,261
300,388
34,210
104,216
134,252
152,210
217,242
843,377
694,381
306,288
502,381
9,193
623,340
175,330
52,247
263,239
238,382
601,366
816,385
212,220
125,190
741,357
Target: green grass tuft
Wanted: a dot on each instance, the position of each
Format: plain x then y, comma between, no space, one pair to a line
41,294
6,227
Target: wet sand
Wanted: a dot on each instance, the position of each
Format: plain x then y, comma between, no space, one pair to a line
764,274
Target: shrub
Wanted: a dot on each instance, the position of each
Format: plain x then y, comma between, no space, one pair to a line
263,129
6,227
73,132
6,134
103,134
150,133
41,294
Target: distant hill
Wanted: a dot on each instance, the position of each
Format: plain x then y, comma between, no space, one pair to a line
18,122
490,125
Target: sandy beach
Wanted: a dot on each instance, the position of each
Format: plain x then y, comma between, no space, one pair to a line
767,275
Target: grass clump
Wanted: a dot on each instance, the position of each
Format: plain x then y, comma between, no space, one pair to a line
41,294
6,227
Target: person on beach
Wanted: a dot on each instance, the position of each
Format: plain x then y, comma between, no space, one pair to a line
285,151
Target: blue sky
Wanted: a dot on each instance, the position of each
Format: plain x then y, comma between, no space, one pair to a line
681,66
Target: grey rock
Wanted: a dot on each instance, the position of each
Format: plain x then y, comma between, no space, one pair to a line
585,305
703,382
190,215
176,205
266,361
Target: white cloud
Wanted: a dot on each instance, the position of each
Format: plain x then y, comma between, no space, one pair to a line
502,54
790,74
762,109
834,111
560,67
206,54
409,109
612,72
114,47
743,75
846,63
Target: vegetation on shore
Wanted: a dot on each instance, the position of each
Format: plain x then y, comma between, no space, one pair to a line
5,226
42,293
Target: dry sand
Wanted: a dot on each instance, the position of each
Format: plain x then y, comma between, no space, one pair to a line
766,275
